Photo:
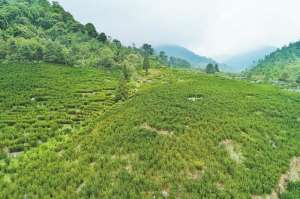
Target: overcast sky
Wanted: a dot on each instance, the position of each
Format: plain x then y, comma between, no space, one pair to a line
214,28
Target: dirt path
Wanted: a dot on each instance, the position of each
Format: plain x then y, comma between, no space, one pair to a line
292,175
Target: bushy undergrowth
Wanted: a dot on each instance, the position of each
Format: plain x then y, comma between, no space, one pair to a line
169,140
39,102
293,191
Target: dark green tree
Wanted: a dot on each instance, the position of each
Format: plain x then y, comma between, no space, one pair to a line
217,68
210,69
56,7
147,49
117,43
146,64
3,20
91,30
298,79
163,57
102,37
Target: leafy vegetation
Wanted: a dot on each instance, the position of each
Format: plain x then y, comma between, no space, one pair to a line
39,31
212,68
179,136
117,128
283,65
292,192
178,63
39,102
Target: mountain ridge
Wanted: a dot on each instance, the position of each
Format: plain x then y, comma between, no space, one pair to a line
246,60
283,65
195,60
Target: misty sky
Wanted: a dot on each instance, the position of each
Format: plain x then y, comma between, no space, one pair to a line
215,28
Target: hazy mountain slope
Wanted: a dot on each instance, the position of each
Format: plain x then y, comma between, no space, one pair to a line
240,62
183,53
283,64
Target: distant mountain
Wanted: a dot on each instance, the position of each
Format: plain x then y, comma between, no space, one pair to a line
239,63
183,53
283,64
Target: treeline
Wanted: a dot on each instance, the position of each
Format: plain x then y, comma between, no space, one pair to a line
212,68
282,65
39,31
174,62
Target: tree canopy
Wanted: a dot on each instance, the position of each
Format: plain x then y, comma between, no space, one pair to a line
40,31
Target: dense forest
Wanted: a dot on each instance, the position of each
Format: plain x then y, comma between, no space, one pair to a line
39,31
282,65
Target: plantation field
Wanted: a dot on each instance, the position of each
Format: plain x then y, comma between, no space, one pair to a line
185,135
39,102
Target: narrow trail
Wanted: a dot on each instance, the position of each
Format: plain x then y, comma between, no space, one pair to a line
292,175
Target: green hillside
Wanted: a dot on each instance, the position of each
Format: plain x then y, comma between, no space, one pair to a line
247,60
82,116
283,64
40,31
39,102
183,134
183,53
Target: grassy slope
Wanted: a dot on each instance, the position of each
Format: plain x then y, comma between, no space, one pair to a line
283,61
161,142
293,191
274,71
39,102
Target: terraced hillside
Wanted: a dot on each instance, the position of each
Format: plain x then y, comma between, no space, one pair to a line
185,135
39,102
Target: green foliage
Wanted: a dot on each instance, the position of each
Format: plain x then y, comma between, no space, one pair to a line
168,139
217,68
210,68
298,79
39,31
293,191
185,54
147,49
122,91
284,77
106,58
146,64
283,62
41,101
91,30
178,63
163,58
130,66
102,37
